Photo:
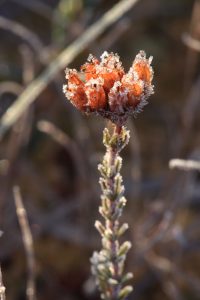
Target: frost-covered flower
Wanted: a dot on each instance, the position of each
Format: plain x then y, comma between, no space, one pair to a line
103,87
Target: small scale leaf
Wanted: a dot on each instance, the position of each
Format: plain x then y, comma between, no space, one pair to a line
106,137
103,212
108,234
122,202
125,292
106,203
124,248
122,229
112,281
127,277
99,226
118,164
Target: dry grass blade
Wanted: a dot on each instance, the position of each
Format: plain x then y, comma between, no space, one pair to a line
190,42
28,242
185,165
38,85
2,288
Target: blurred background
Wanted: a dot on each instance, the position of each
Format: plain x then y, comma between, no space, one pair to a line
51,151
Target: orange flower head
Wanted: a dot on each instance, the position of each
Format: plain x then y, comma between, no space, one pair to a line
107,90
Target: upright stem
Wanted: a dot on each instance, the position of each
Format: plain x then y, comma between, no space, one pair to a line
108,264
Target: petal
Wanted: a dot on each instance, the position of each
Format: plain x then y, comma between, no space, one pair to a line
134,87
111,61
118,98
90,68
74,89
72,76
96,97
110,78
110,69
141,66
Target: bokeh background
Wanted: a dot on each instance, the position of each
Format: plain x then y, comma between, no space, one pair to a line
51,152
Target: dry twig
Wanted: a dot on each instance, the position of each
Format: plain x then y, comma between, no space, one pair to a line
28,242
185,165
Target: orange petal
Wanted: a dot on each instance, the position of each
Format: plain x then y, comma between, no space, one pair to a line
134,88
143,71
110,78
79,99
95,94
74,90
90,68
142,67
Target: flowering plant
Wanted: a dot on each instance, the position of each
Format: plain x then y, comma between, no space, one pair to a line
103,87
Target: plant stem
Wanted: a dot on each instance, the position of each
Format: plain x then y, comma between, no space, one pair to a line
108,264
